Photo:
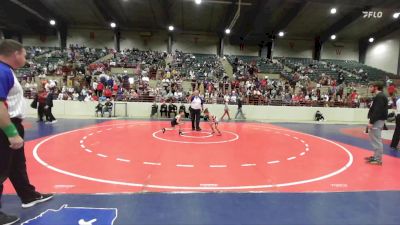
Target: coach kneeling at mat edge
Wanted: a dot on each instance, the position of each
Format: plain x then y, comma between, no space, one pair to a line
196,106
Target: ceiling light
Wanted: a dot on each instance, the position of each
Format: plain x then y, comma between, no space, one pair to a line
113,25
198,2
333,37
227,31
52,22
396,15
371,39
281,34
333,11
171,28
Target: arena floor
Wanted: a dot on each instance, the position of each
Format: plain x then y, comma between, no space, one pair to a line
129,172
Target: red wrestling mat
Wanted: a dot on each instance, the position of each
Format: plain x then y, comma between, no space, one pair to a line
134,156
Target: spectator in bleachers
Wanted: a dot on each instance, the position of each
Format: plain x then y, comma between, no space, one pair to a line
341,78
391,89
355,99
100,88
75,96
108,93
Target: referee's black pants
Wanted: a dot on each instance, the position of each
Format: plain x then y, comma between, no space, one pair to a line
13,166
195,116
396,135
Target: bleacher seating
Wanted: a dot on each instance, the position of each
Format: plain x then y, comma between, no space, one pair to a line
331,67
199,64
132,58
354,67
48,60
263,64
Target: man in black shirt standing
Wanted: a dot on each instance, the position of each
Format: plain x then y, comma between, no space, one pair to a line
239,110
377,115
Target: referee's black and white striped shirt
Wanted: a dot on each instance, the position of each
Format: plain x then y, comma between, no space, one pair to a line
11,92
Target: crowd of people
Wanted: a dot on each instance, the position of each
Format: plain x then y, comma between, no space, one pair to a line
94,81
54,61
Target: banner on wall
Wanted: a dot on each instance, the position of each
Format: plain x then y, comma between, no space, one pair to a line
338,51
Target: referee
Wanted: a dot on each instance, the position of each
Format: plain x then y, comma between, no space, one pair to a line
12,104
196,106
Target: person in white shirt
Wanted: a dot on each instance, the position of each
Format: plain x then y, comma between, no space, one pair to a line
75,96
226,98
60,96
396,135
145,79
84,92
88,98
176,96
27,86
233,97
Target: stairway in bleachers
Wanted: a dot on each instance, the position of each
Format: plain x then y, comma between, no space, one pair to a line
227,67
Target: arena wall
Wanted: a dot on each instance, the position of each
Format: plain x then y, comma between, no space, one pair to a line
157,41
91,38
194,43
384,53
340,50
293,48
274,113
40,41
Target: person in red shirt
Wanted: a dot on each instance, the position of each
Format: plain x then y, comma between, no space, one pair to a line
115,87
264,83
353,96
114,90
391,89
100,88
108,93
